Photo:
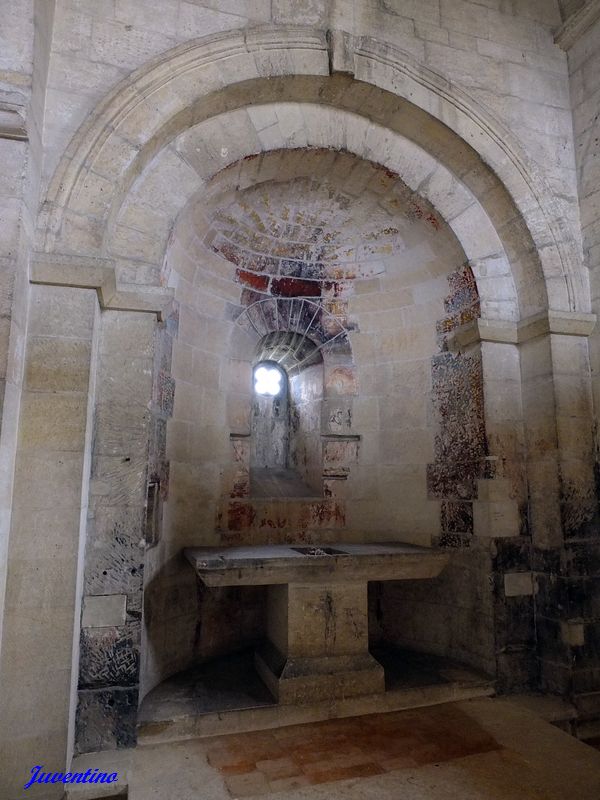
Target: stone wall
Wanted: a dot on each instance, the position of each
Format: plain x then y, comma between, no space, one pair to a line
306,446
45,559
421,465
16,67
111,626
572,584
470,104
503,54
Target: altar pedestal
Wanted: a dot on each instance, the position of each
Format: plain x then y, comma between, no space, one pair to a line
318,646
317,626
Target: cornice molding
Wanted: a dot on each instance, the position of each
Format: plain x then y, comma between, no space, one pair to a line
173,92
81,272
565,323
577,24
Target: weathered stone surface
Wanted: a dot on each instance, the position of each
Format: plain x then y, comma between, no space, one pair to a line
106,719
109,657
426,174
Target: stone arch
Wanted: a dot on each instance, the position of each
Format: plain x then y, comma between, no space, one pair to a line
346,132
204,78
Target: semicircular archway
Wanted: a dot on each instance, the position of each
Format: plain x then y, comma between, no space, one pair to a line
202,79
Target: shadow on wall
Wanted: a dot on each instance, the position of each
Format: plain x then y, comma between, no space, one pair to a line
188,623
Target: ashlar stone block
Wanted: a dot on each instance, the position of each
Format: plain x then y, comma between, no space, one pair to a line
496,518
103,611
329,657
518,584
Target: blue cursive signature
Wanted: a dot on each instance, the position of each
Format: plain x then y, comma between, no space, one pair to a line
89,776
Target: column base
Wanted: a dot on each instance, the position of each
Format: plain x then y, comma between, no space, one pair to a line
300,681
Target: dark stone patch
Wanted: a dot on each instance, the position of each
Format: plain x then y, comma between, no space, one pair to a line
158,442
579,511
583,558
586,681
552,596
452,540
114,564
512,555
229,251
548,561
249,297
514,620
253,280
311,270
260,263
460,444
555,678
452,481
463,290
295,287
109,656
462,304
551,647
166,393
106,719
457,517
583,597
517,669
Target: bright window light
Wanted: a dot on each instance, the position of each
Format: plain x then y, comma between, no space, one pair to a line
267,380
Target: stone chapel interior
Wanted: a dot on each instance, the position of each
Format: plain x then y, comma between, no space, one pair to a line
299,396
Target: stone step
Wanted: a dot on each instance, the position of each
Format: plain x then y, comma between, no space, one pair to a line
107,761
173,712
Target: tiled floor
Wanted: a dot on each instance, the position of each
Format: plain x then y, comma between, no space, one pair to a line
288,758
484,749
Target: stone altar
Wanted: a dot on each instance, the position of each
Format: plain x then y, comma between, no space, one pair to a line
317,619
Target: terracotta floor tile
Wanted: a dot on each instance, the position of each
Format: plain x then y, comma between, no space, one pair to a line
238,768
220,756
345,773
286,784
336,762
392,744
248,785
426,754
307,756
328,751
263,754
278,768
398,762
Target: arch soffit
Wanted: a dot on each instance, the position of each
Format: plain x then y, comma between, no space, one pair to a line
427,178
203,78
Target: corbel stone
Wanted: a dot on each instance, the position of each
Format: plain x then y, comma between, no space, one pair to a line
577,24
566,323
83,272
340,46
12,122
